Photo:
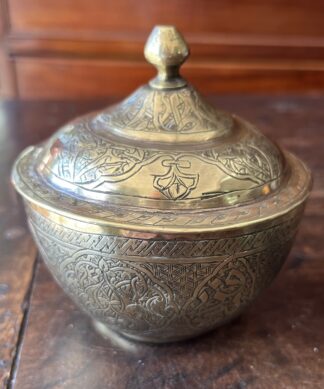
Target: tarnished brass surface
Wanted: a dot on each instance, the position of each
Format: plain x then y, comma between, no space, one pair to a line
161,216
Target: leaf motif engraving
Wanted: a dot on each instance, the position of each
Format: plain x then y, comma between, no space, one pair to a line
245,162
175,183
90,161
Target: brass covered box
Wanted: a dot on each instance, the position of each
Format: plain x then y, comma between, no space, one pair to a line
162,217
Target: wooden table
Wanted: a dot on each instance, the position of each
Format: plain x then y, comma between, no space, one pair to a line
46,342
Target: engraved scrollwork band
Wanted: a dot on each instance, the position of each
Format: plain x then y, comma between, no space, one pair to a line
293,193
162,287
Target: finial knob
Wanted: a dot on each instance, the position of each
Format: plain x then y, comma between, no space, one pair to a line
166,49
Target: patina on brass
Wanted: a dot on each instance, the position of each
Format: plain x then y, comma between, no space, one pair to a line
162,217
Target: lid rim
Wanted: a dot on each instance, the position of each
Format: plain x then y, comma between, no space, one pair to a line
294,193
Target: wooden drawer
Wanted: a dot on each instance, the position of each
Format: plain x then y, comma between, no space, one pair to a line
77,78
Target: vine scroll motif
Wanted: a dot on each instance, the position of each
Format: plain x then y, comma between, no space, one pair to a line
181,111
294,192
89,161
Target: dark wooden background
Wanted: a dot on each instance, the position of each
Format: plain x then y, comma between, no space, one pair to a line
68,49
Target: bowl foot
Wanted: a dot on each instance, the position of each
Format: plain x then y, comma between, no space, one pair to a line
121,337
118,336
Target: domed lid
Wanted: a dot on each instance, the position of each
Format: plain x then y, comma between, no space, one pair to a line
161,149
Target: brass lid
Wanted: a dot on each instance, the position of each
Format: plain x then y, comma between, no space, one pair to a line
162,148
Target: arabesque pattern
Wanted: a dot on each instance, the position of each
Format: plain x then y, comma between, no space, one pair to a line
169,287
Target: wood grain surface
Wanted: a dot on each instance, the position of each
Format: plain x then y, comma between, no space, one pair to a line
277,343
242,18
17,252
84,78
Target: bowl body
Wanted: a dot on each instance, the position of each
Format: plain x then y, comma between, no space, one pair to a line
161,288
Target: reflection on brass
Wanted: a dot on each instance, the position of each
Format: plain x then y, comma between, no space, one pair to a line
162,217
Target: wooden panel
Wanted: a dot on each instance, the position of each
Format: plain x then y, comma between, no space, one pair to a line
256,17
248,45
52,78
7,73
212,49
277,343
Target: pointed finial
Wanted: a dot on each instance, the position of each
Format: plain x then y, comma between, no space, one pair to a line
166,49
